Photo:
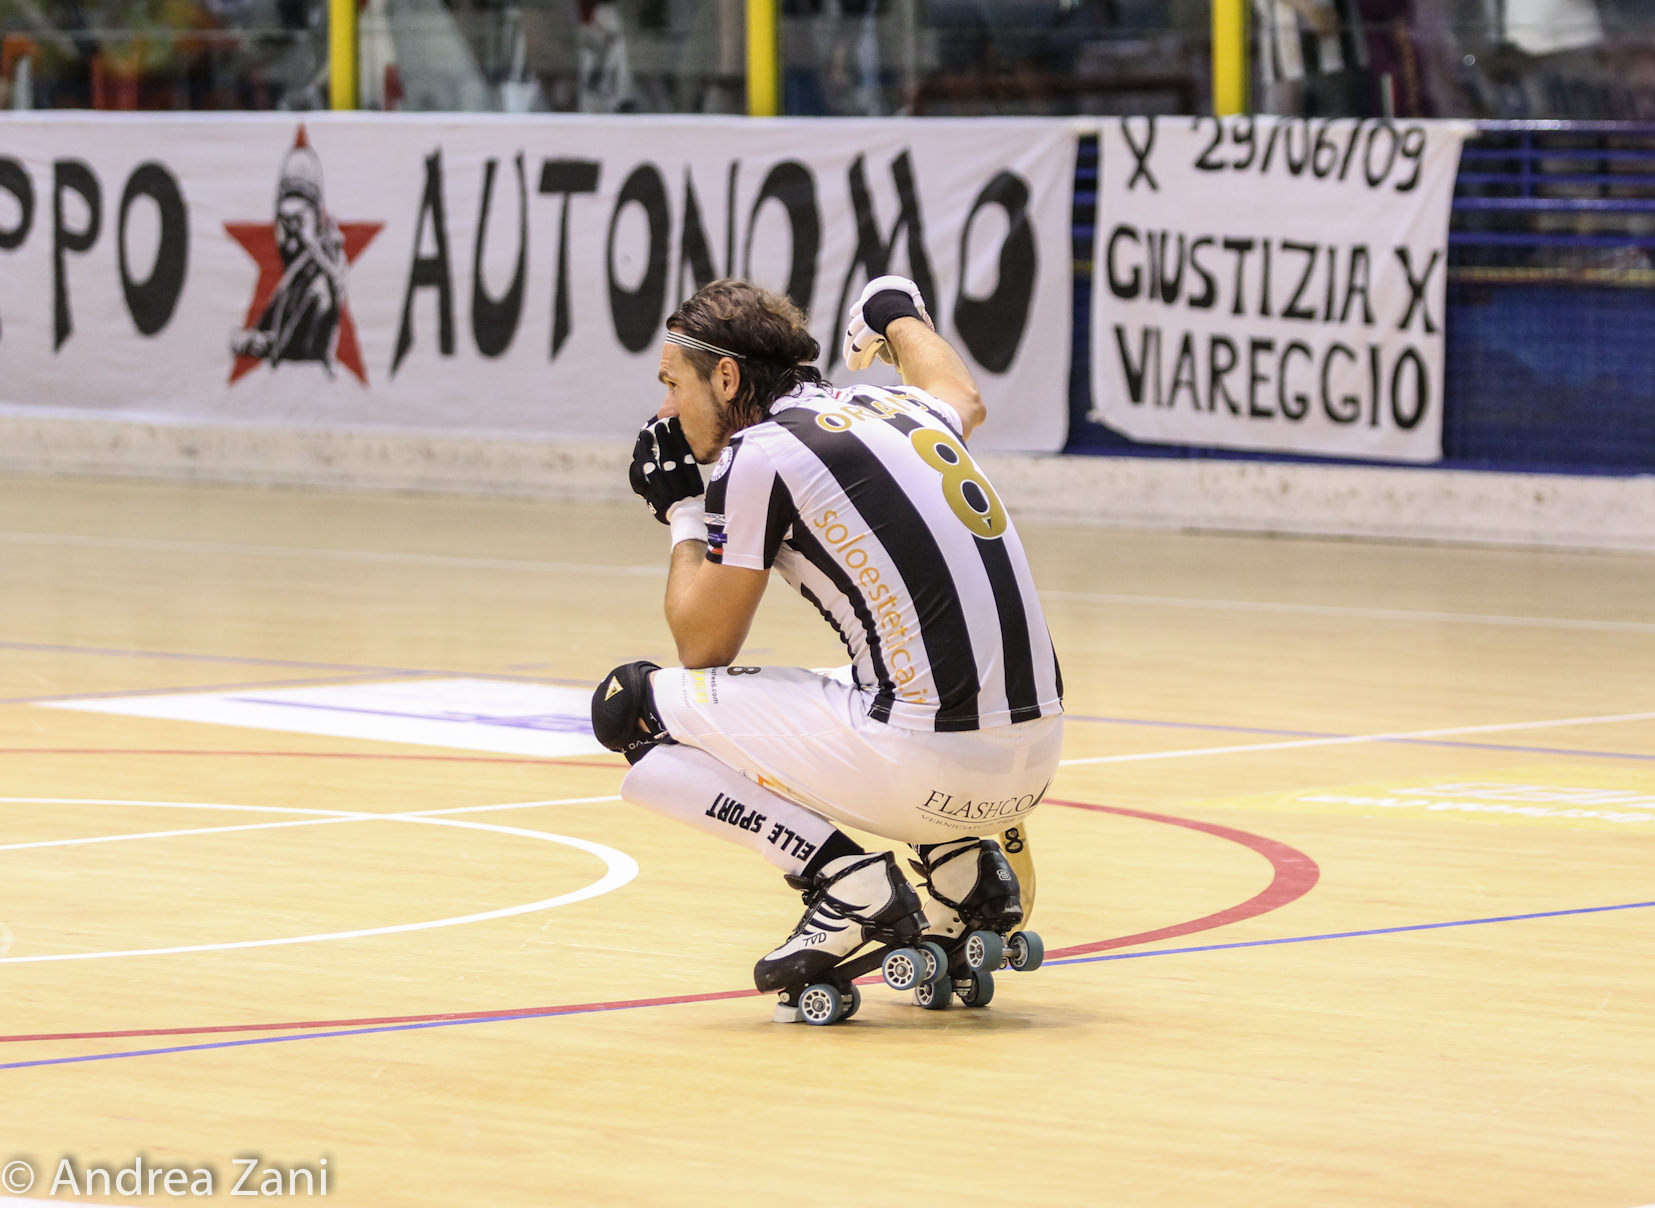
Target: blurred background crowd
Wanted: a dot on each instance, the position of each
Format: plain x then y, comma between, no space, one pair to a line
1510,59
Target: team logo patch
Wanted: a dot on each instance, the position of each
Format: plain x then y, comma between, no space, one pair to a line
722,466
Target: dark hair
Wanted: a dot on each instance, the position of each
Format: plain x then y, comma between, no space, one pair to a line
764,331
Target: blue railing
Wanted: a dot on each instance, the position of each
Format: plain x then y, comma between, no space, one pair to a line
1554,185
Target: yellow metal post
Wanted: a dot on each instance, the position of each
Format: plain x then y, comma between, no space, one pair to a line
342,54
763,59
1229,57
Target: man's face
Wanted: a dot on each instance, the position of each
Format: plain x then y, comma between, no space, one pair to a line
295,225
701,405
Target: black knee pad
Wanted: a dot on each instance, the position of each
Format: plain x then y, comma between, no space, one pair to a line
623,699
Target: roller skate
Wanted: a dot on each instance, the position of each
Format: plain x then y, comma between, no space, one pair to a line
972,915
854,900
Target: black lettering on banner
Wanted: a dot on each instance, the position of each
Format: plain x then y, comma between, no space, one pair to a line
429,271
1356,285
637,312
1245,134
1205,162
1375,372
1281,380
873,253
1319,167
1332,280
992,328
1413,150
1216,373
1377,177
565,178
1133,285
14,180
1140,154
1256,346
1349,406
694,251
1183,374
1149,351
1297,162
1265,246
1165,284
792,184
1308,270
1209,285
730,213
1270,147
1240,248
70,175
1296,405
151,302
1305,146
494,320
1416,289
1410,358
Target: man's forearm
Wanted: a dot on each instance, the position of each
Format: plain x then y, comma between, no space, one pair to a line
928,361
687,559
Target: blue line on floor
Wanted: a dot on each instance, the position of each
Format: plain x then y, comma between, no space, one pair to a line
1078,960
1343,935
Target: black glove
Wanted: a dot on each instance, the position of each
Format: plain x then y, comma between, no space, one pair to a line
663,467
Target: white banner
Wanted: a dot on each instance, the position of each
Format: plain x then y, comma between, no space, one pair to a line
1272,284
501,275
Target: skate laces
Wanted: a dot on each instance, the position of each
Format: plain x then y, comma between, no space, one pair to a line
817,902
931,887
927,874
821,904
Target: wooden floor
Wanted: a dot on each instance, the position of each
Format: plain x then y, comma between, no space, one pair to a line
1348,882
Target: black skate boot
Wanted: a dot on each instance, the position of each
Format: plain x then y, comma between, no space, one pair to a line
853,900
972,912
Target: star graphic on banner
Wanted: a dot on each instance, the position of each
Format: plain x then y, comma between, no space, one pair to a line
301,182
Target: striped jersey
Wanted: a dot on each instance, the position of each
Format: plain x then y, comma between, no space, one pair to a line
867,503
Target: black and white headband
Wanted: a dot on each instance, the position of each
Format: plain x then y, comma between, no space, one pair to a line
679,338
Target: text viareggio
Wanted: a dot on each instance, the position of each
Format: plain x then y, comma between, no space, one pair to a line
300,310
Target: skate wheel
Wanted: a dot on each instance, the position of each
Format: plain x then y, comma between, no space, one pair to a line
1025,950
820,1004
934,995
852,1003
936,961
984,950
904,968
976,990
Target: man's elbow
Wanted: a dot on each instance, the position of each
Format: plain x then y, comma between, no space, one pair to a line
700,653
969,403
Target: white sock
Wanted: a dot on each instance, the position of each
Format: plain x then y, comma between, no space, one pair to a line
688,784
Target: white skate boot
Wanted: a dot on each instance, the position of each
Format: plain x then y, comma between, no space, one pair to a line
972,911
853,900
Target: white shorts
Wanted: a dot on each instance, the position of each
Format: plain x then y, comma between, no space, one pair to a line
807,736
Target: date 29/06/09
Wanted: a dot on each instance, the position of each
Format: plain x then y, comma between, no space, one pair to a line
1381,154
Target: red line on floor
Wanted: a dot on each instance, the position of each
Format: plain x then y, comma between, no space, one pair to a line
1295,874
